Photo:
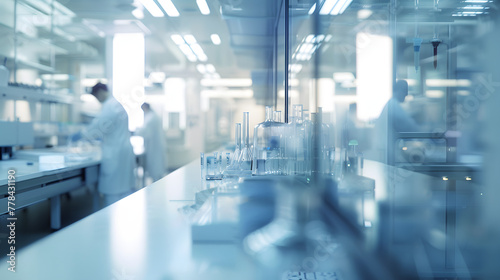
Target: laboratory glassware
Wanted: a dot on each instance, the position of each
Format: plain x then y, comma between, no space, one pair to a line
245,158
295,147
268,138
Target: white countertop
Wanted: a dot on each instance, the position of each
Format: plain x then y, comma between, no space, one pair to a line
145,236
25,171
142,236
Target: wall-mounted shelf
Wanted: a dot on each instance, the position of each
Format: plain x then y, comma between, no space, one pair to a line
37,95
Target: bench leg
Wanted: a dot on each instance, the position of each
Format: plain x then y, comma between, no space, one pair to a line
55,212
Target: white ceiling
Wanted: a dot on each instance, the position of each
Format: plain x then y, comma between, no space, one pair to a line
244,30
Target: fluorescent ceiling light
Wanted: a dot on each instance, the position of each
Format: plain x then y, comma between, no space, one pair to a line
234,93
447,83
340,4
364,13
226,82
340,77
157,77
190,39
65,11
434,93
138,13
313,8
210,68
215,39
202,57
476,1
177,39
327,7
203,6
201,68
295,68
152,8
185,49
56,77
169,7
198,51
344,7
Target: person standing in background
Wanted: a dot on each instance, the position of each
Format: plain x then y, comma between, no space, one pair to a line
392,121
116,174
154,143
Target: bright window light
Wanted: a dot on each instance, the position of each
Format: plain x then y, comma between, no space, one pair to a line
177,39
128,75
175,90
313,8
326,94
215,39
169,7
203,6
152,8
373,74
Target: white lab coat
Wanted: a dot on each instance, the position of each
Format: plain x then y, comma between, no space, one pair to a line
392,120
117,161
154,145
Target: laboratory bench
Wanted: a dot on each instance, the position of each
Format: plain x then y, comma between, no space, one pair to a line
150,234
43,174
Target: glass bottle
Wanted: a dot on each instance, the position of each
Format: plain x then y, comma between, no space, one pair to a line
267,145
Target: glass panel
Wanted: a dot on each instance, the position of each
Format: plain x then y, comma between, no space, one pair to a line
409,86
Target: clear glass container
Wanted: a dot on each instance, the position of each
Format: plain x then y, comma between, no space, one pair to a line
277,116
295,146
268,140
245,158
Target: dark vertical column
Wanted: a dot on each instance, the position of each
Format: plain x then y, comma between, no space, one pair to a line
287,53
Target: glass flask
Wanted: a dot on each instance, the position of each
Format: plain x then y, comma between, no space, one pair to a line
268,138
245,158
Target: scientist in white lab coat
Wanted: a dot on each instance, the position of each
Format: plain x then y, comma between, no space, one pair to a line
154,143
116,175
393,120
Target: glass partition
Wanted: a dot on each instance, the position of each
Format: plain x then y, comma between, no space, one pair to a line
408,84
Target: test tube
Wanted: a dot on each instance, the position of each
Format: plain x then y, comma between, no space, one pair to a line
203,166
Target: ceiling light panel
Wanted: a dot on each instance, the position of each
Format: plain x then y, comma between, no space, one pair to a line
152,8
203,6
215,39
169,8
